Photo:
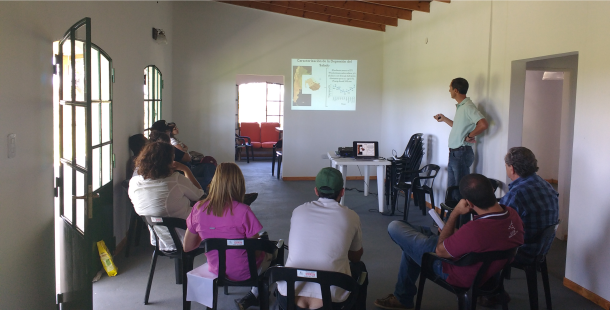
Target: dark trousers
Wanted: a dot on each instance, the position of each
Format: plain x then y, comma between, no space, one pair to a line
356,269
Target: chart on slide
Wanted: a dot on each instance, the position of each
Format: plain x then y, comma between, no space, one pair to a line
324,84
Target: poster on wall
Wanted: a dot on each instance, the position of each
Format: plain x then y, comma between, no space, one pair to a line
324,84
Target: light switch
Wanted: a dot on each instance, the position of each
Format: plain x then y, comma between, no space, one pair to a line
11,143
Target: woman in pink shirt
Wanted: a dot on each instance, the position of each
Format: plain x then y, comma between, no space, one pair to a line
224,215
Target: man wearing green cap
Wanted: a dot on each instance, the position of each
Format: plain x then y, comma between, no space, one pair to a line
325,235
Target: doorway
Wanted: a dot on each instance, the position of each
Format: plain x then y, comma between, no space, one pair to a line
541,117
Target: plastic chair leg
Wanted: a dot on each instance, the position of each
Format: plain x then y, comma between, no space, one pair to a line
248,155
420,291
178,269
130,231
187,265
545,281
405,215
532,286
151,274
463,303
273,162
226,290
279,165
139,227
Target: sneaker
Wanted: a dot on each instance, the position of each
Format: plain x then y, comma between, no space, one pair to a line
391,302
246,301
493,300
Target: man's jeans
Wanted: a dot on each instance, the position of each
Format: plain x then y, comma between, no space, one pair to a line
414,241
459,166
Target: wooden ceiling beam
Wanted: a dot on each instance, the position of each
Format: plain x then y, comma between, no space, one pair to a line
422,6
308,15
370,8
334,11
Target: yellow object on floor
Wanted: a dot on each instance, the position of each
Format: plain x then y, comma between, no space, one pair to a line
106,258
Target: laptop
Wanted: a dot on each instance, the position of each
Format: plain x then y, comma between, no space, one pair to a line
366,150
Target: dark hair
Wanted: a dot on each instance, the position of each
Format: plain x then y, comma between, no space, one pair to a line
522,160
460,84
171,127
155,159
477,189
136,143
332,196
158,136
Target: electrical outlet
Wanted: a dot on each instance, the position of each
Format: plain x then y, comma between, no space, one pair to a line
11,143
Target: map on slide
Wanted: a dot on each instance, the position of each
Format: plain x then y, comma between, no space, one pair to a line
324,84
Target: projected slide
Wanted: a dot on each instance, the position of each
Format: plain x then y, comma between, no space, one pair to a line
324,84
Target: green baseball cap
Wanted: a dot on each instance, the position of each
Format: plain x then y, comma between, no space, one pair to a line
329,180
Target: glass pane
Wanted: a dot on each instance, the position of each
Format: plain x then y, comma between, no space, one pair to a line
151,112
273,107
79,47
95,123
95,74
105,121
106,164
158,85
81,33
96,169
150,84
67,71
273,92
273,119
80,136
68,192
158,109
67,134
145,83
80,203
146,116
105,77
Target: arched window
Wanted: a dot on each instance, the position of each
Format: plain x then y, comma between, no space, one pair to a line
153,86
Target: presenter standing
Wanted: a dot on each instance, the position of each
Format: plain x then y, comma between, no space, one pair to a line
467,124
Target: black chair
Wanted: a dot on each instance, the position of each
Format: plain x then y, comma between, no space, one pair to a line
183,260
420,186
243,142
324,278
403,169
277,153
532,264
467,297
135,222
250,246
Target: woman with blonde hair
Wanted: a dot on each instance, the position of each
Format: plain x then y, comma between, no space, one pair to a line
224,215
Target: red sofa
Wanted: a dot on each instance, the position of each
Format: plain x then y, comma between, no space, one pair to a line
262,136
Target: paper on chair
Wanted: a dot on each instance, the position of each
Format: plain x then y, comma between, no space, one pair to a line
436,218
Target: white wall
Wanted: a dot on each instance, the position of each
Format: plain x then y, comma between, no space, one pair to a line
27,31
542,121
479,41
214,42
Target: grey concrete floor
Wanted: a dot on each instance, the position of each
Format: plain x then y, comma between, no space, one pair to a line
273,208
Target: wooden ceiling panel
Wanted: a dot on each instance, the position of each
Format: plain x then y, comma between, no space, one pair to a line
267,6
371,8
423,6
338,12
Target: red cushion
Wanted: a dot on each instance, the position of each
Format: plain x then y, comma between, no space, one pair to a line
256,145
268,133
268,145
252,130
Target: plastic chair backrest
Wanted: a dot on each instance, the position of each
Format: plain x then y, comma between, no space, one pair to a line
413,142
171,223
486,258
426,177
543,240
326,279
249,245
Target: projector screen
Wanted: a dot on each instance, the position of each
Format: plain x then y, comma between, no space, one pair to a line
324,84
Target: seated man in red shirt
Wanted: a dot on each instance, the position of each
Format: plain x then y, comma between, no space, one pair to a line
494,228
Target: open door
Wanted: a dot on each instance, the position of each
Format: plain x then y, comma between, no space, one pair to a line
83,162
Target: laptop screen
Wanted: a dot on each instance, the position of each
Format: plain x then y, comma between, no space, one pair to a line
366,149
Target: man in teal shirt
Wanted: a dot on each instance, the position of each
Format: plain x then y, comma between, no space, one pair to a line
467,124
